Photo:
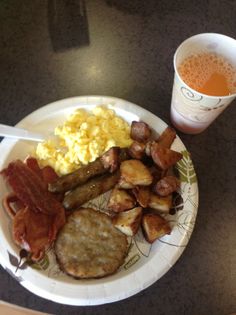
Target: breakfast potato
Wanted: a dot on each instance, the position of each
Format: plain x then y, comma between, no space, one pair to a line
157,173
129,221
166,186
167,137
142,195
120,200
137,150
148,147
164,157
123,184
154,227
135,173
161,204
110,159
140,131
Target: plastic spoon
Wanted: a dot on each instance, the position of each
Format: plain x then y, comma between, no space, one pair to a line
18,133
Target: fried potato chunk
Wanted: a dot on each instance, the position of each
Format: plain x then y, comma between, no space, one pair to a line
167,137
110,159
123,184
120,200
137,150
167,185
161,204
140,131
164,157
135,173
142,195
154,227
128,222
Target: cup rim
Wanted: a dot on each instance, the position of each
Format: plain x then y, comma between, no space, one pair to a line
182,81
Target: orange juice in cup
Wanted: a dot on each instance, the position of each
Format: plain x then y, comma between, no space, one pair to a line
205,81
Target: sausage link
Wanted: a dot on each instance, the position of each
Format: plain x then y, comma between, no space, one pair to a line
78,177
91,189
82,175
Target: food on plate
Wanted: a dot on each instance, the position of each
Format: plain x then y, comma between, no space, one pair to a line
167,137
157,173
167,185
120,200
137,150
164,157
142,195
154,226
90,190
35,231
30,188
135,183
37,214
89,246
135,172
83,174
78,177
83,138
111,160
146,177
140,131
165,140
122,184
97,152
148,146
161,204
128,222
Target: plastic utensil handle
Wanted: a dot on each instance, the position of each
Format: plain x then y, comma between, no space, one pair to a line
14,132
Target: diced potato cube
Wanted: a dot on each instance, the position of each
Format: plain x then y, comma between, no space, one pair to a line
167,137
163,157
122,184
120,200
128,222
135,173
142,195
161,204
154,227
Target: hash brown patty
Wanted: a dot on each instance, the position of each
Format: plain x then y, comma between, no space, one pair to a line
89,246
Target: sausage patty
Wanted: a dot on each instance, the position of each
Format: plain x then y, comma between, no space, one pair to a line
89,246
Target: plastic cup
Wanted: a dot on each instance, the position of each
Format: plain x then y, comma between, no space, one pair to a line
192,112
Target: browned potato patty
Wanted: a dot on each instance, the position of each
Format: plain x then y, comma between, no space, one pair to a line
89,246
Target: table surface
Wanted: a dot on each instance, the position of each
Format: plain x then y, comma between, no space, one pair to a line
125,49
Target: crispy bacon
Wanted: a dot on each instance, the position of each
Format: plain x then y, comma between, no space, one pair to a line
37,215
12,204
48,174
32,163
35,232
30,188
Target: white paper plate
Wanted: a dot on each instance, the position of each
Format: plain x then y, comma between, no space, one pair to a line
145,263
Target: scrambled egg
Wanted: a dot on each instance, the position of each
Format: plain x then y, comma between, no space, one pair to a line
82,138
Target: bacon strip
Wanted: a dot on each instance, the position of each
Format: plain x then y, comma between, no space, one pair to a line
35,231
37,215
10,200
30,188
